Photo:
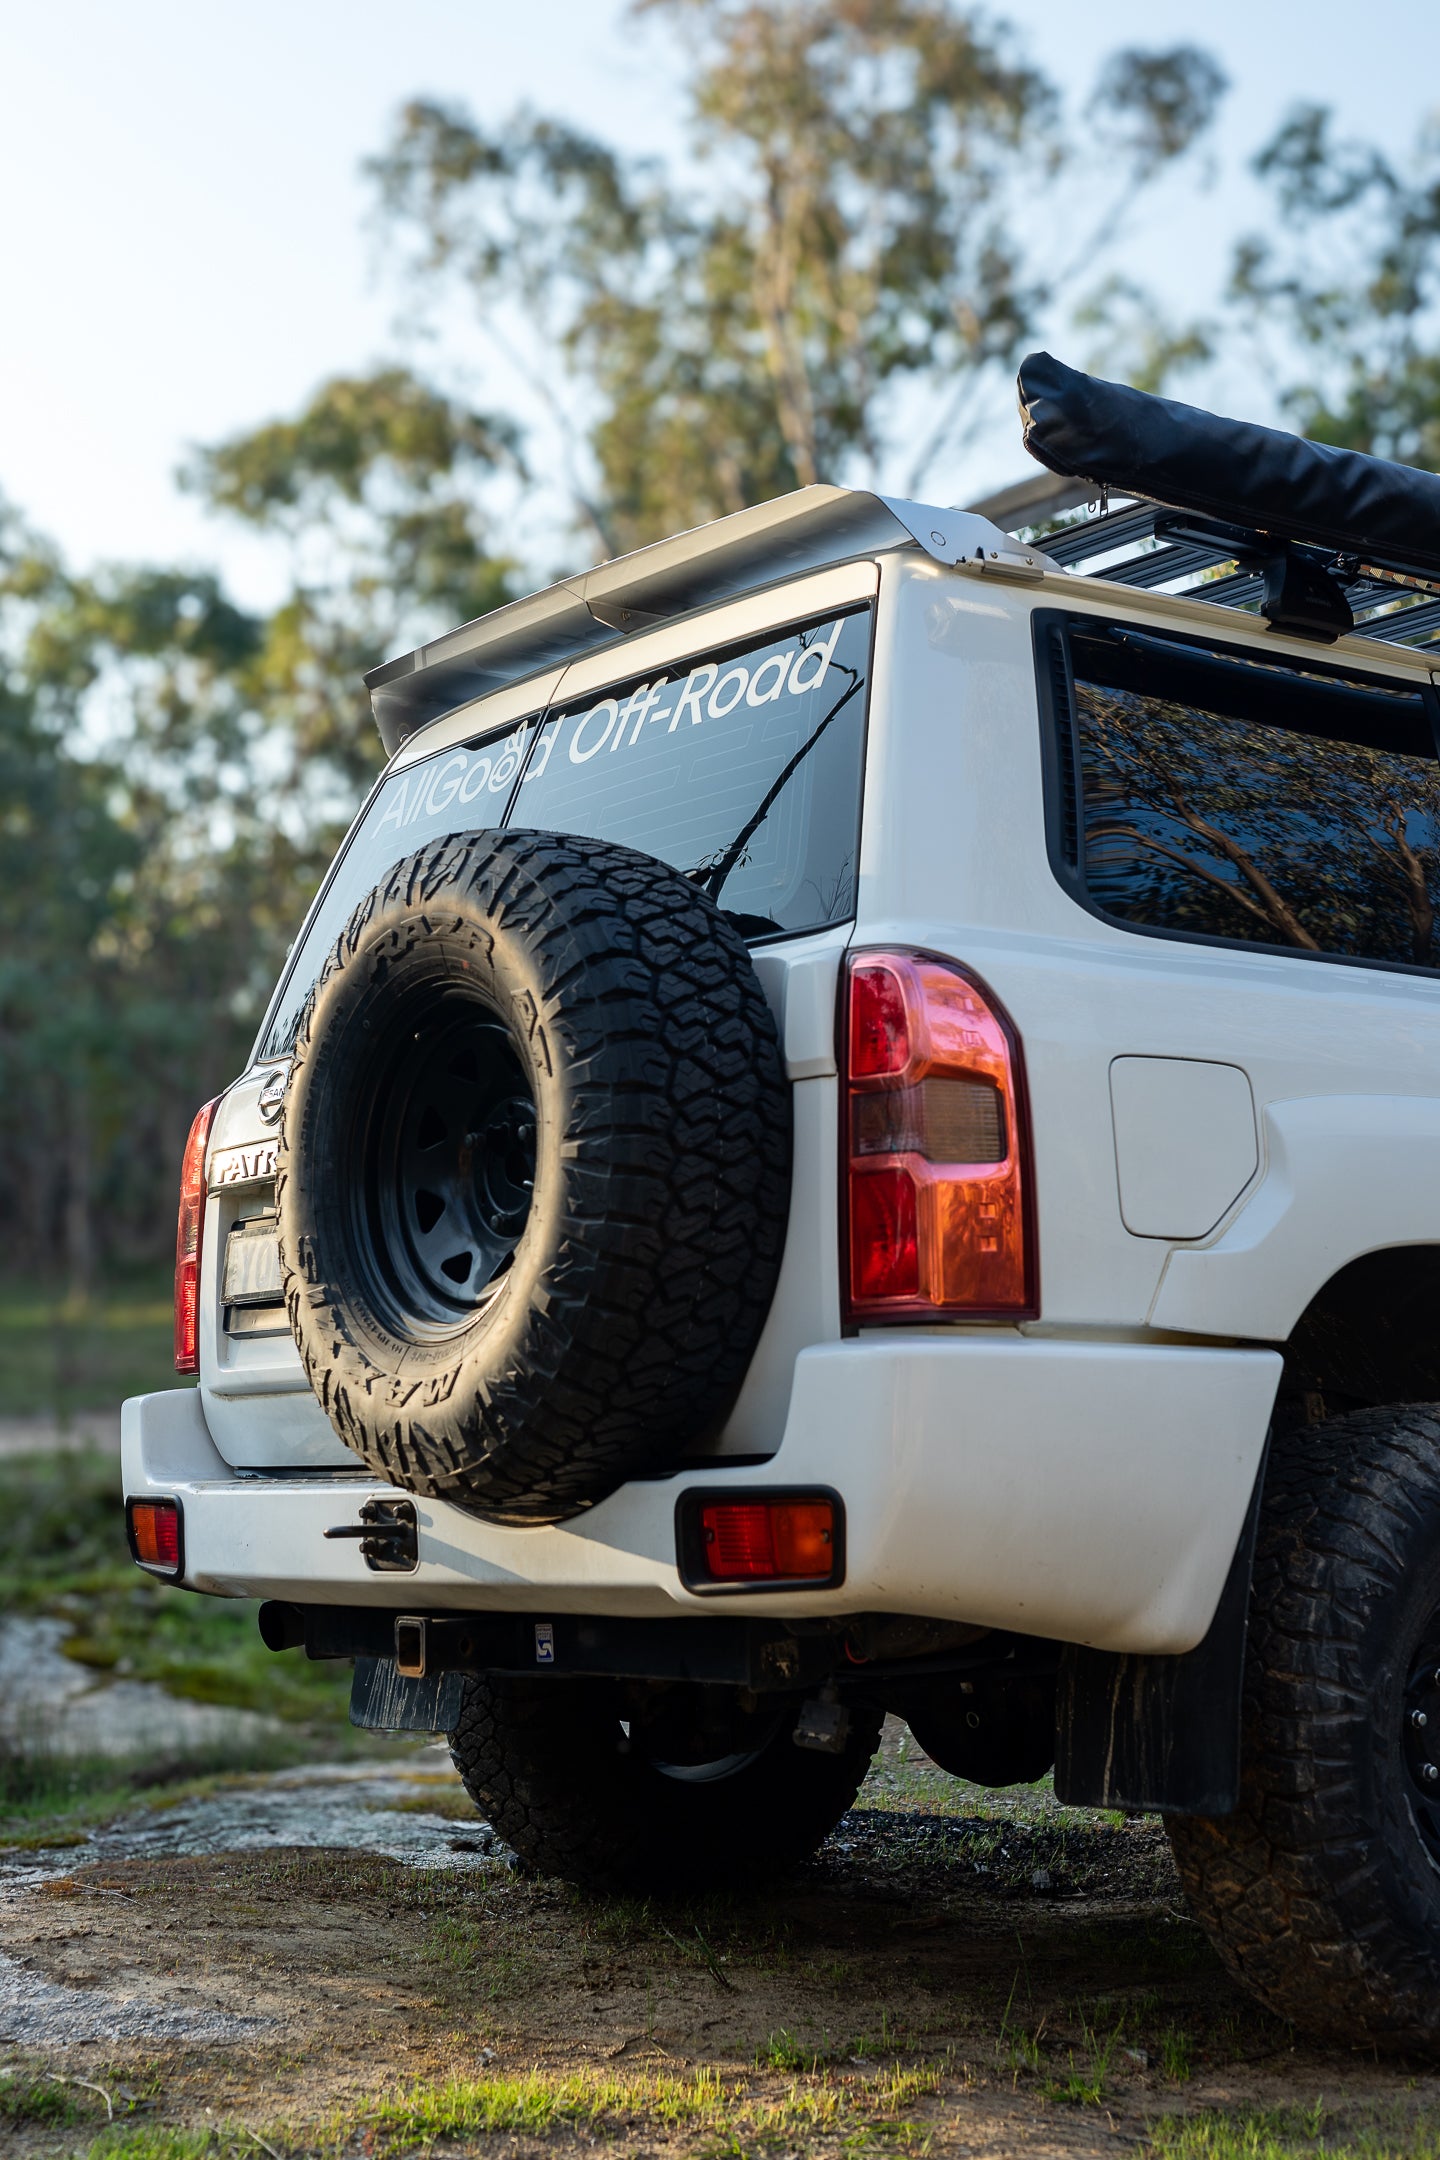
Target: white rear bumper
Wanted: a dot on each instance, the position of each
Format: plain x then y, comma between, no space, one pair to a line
1089,1491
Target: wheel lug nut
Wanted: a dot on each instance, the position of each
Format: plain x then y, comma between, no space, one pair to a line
1418,1720
1429,1772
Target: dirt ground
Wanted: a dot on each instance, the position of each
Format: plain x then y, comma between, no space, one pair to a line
939,1980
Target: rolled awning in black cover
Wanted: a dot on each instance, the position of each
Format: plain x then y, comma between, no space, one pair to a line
1080,426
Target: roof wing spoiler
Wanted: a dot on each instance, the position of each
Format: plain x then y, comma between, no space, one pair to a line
810,529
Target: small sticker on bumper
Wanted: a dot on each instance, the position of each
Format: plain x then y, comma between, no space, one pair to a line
544,1643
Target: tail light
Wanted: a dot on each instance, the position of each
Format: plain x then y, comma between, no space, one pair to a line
749,1541
746,1540
153,1528
188,1231
937,1175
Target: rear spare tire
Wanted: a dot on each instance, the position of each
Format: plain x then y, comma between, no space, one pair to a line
533,1173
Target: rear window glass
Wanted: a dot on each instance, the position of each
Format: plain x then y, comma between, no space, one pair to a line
1206,794
741,767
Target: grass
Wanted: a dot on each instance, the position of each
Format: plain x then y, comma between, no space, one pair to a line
45,2100
1083,2083
1177,2050
490,1946
716,2114
58,1356
157,2141
729,2115
63,1554
713,2113
1293,2133
48,1802
58,2100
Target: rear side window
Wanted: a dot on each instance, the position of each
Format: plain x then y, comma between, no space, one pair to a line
741,767
1200,792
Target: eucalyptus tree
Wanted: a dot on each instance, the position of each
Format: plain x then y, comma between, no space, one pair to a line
1342,288
881,200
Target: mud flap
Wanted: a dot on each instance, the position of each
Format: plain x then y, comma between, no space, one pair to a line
1160,1733
384,1700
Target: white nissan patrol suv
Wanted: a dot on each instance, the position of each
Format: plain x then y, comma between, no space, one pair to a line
856,1128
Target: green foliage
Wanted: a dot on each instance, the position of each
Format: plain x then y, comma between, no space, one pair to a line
1297,2133
146,899
175,772
374,486
849,250
1177,2050
63,1553
698,2101
1348,275
49,2101
1083,2083
58,1357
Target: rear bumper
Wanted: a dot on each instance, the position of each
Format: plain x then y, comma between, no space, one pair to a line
1088,1491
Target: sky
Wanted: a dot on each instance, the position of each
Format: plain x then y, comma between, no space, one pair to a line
185,238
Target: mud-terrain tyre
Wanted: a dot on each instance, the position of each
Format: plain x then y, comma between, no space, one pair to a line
534,1172
1322,1892
552,1769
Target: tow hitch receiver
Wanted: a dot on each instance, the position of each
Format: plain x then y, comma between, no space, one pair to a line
388,1534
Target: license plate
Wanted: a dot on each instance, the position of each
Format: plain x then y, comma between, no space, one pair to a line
252,1265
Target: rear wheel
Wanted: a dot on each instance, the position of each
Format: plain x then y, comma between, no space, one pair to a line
624,1786
1322,1891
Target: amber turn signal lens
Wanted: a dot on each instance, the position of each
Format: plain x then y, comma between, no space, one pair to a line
769,1540
155,1534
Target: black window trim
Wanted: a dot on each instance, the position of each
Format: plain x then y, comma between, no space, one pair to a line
1061,778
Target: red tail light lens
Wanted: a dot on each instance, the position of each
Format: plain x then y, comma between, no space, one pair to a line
768,1540
188,1232
937,1200
154,1527
879,1028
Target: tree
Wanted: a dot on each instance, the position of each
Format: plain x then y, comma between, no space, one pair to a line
375,487
1344,287
149,895
845,275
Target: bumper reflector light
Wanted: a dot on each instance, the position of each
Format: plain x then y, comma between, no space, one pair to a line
768,1540
154,1527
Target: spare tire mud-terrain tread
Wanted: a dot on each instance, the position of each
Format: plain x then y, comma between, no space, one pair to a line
540,1760
633,1310
1319,1892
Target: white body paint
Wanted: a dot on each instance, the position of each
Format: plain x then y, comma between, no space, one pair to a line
1216,1131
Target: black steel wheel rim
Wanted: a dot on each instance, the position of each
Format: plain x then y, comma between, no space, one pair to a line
451,1174
760,1730
1422,1736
